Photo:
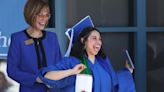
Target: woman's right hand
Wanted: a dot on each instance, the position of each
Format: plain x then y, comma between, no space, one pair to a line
78,68
128,67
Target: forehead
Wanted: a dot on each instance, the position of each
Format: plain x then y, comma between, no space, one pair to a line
95,33
44,10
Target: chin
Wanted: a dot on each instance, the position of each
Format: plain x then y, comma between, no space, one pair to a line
41,28
95,54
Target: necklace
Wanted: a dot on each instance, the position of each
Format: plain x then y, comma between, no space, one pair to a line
34,34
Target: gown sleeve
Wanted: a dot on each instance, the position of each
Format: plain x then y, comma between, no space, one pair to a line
125,79
66,63
13,61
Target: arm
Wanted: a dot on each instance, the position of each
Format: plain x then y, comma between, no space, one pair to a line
66,80
56,51
122,80
125,76
126,82
60,74
13,65
128,67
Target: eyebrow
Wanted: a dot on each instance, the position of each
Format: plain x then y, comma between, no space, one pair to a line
96,36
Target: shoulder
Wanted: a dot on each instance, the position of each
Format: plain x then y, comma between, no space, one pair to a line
100,59
104,61
49,33
18,34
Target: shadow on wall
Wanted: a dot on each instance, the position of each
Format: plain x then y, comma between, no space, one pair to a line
155,68
4,84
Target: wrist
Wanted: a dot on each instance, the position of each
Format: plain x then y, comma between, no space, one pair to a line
72,72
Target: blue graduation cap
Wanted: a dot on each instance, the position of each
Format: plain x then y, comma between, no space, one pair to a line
73,33
77,28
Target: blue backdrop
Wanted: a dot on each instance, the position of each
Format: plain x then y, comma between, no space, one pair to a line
11,20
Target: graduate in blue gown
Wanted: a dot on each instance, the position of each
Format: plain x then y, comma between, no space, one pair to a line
87,55
32,48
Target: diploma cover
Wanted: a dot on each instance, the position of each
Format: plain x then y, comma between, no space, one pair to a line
83,83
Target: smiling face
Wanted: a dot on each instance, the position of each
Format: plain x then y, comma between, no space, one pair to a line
37,13
93,43
41,19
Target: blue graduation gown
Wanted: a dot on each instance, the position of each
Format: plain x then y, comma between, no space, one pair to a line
101,79
22,60
121,81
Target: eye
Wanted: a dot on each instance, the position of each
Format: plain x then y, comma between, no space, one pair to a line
100,39
44,15
94,38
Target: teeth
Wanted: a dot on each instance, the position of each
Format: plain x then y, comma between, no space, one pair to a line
96,48
42,23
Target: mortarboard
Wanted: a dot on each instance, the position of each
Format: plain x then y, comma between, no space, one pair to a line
73,33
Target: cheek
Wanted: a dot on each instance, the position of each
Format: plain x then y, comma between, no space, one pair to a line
100,43
89,46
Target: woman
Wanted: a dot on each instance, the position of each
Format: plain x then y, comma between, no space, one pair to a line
32,48
88,50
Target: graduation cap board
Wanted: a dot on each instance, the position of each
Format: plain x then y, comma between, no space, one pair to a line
130,63
73,33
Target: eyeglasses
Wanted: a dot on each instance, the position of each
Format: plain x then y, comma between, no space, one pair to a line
48,15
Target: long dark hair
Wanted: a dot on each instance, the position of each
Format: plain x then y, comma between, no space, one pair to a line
78,47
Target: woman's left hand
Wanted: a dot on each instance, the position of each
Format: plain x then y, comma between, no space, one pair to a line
128,67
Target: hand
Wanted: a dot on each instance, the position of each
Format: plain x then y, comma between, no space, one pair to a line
128,67
78,68
39,80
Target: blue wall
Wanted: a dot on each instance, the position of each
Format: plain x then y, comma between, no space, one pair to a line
11,20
